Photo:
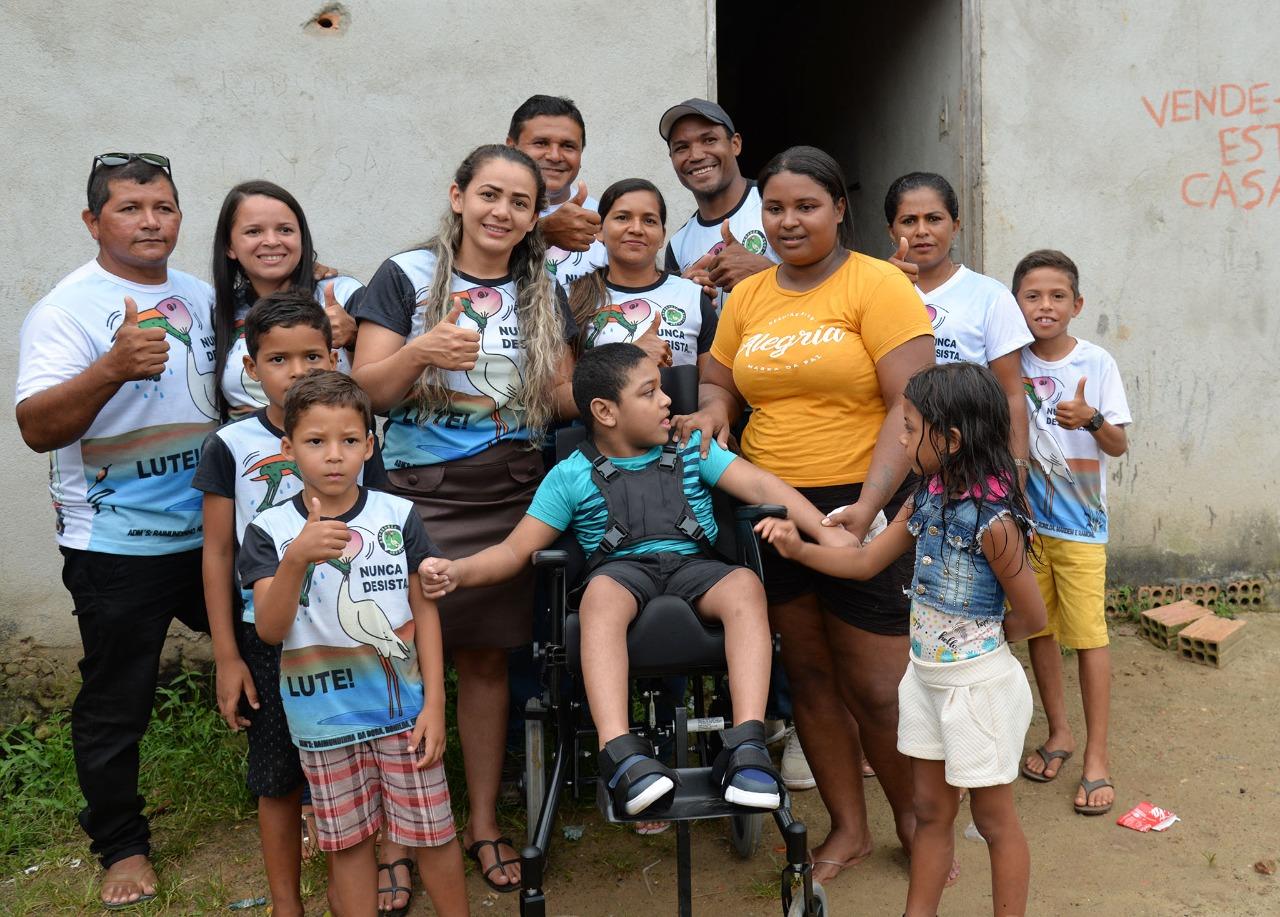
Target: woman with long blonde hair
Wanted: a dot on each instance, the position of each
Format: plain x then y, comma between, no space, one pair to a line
464,344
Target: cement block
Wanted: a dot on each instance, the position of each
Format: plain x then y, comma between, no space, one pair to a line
1162,625
1211,641
1201,593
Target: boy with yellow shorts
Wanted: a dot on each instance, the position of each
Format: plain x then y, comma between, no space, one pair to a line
1078,415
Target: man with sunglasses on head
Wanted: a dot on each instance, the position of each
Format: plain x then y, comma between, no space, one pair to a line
115,382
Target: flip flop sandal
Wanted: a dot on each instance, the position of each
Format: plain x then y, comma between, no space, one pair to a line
744,751
1048,757
1089,786
310,834
128,904
637,781
840,865
498,863
393,889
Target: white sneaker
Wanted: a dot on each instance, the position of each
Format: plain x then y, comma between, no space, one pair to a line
795,769
774,731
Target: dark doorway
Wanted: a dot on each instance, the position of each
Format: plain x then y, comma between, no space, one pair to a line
878,86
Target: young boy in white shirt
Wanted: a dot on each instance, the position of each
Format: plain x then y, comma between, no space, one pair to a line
1078,415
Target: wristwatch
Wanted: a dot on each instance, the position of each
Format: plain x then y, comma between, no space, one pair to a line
1095,422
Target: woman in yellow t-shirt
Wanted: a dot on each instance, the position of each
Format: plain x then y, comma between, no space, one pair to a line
821,347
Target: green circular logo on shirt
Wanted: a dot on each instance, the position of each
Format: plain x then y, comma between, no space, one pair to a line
754,242
390,539
672,315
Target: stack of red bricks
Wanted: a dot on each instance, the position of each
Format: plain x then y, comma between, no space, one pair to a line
1193,631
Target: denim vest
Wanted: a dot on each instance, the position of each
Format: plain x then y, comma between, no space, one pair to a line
952,574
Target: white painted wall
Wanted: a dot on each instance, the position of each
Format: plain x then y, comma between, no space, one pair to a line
364,127
1182,295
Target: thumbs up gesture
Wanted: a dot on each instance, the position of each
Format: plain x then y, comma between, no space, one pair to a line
447,345
572,226
734,262
1074,414
320,539
658,349
343,325
899,260
137,353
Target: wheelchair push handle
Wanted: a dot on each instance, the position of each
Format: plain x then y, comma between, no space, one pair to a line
757,511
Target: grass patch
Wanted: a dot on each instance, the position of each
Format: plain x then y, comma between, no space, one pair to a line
191,767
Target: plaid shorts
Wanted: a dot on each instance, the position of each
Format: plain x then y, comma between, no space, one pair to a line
356,788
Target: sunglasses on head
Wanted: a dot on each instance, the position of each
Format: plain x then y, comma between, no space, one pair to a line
120,159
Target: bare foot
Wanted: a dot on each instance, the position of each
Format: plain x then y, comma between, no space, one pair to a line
836,854
128,881
1056,742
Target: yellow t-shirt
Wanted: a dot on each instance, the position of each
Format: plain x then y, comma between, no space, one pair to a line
806,363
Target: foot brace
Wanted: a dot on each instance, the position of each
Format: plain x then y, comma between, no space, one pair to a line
637,781
743,770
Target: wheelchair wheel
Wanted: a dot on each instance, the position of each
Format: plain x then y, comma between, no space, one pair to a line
744,831
535,772
819,904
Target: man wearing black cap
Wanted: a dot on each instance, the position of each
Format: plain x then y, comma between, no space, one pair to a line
723,242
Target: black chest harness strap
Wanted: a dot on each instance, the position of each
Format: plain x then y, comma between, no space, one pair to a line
644,505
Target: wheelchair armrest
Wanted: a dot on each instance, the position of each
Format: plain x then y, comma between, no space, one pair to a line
757,511
550,558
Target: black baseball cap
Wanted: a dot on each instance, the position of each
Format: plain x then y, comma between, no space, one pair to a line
701,107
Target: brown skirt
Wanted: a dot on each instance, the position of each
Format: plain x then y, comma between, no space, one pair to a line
468,505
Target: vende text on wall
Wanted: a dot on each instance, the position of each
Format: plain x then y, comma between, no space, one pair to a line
1246,171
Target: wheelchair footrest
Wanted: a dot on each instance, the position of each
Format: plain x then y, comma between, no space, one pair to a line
697,796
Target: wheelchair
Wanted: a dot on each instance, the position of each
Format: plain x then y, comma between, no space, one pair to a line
666,639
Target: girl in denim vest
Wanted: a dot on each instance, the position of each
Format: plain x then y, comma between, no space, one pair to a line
964,704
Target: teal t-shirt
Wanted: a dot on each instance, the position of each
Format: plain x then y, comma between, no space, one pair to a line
568,499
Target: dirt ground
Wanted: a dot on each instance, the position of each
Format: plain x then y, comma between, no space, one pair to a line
1198,741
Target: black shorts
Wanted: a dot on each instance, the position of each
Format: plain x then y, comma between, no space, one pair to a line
877,605
647,576
274,766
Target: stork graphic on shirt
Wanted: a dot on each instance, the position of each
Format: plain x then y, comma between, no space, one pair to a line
272,470
1044,393
177,320
631,316
495,376
363,620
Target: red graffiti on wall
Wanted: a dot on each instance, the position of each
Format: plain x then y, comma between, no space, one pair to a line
1250,138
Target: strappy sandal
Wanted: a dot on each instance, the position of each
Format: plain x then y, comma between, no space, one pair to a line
1089,787
637,781
1048,757
744,750
498,863
393,889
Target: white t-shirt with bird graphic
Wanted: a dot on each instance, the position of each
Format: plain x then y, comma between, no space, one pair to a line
124,487
1067,481
349,670
484,405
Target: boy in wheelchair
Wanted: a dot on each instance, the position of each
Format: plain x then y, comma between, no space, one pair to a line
641,509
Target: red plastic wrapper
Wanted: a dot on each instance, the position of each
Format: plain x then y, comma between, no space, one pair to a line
1145,817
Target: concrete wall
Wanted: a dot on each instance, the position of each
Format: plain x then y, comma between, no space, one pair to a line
365,125
1094,143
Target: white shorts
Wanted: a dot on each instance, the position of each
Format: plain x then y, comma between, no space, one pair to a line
972,714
